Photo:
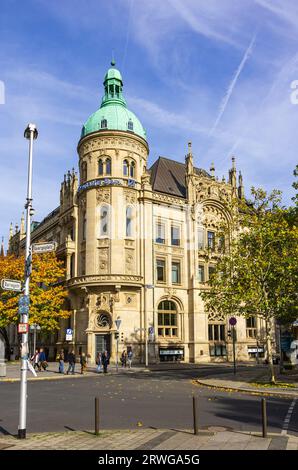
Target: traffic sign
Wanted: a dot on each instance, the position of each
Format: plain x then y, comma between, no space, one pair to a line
44,247
151,330
23,309
68,336
23,327
24,300
233,321
11,284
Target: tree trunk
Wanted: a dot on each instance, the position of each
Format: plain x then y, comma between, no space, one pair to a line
3,332
269,351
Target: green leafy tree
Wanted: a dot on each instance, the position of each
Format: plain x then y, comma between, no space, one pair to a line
47,294
258,274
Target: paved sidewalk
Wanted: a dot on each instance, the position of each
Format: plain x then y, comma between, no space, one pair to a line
149,439
13,372
254,380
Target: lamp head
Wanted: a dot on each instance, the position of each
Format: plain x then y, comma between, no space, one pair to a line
29,129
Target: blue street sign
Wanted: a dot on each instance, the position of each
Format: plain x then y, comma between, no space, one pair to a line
23,309
69,331
24,300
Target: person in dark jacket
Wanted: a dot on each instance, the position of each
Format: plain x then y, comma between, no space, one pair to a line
105,359
83,362
42,360
71,363
61,362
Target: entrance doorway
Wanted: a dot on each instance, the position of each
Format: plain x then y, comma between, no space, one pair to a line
102,343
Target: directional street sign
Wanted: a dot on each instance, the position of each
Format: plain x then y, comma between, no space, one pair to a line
44,247
11,284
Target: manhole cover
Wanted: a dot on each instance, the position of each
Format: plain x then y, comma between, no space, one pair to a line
217,428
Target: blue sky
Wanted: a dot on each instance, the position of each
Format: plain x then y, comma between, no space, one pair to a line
217,73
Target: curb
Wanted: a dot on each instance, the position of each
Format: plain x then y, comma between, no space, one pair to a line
247,390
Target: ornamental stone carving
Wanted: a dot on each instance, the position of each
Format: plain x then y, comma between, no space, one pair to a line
103,259
216,317
130,197
103,196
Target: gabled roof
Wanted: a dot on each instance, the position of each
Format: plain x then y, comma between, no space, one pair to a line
168,176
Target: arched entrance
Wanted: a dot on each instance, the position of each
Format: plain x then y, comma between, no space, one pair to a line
102,337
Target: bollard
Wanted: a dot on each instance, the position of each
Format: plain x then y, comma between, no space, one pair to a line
195,415
264,417
96,416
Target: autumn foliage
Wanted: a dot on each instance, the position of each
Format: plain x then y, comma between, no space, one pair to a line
47,293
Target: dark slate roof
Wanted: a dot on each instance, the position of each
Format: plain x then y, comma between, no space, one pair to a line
168,176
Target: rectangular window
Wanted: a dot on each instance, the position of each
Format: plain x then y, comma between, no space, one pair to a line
176,273
160,233
221,244
211,271
175,235
200,239
251,327
201,273
161,270
211,241
217,350
216,332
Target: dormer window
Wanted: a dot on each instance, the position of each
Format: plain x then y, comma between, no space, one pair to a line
104,124
130,125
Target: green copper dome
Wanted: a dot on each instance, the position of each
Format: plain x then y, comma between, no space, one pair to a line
113,113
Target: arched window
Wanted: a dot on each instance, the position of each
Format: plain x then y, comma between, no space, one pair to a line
132,169
130,125
104,221
104,124
125,168
108,166
129,216
167,319
84,172
100,167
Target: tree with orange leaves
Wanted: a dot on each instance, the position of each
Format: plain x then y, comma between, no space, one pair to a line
47,293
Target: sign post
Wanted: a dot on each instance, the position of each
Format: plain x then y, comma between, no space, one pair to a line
233,322
31,134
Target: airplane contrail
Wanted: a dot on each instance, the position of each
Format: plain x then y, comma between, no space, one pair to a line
229,92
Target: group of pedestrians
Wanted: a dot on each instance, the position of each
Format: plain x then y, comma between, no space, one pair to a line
39,360
126,358
102,361
71,359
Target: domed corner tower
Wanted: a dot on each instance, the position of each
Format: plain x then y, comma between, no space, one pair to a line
113,155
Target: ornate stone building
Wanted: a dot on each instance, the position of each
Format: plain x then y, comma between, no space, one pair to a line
139,245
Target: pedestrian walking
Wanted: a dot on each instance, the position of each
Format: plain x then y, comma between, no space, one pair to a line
124,359
42,363
83,362
61,359
71,362
129,358
98,362
105,359
35,360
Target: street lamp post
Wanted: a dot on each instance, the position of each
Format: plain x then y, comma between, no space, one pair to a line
30,134
117,323
35,327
